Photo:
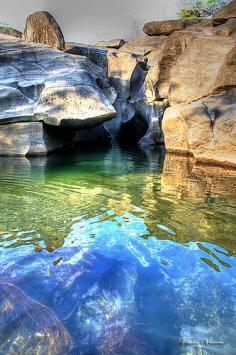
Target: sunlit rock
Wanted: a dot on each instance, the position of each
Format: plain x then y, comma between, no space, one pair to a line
228,29
39,84
207,66
9,31
127,73
114,43
51,86
97,55
206,128
229,11
27,327
167,27
41,27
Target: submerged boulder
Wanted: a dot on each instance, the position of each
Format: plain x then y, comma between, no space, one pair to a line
27,327
41,27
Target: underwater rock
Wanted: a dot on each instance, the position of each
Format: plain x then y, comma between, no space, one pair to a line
41,27
27,327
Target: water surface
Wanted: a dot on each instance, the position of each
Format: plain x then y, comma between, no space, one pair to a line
120,253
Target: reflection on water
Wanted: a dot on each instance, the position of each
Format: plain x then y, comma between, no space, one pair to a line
112,253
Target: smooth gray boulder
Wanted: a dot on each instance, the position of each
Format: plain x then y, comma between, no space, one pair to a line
38,83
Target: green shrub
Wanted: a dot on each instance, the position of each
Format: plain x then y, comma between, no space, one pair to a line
191,9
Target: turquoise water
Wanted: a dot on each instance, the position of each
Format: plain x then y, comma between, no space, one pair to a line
116,252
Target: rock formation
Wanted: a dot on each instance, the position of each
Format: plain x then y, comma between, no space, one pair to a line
5,30
188,65
41,88
228,12
114,43
41,27
157,28
205,128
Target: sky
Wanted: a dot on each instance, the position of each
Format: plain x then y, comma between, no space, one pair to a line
90,21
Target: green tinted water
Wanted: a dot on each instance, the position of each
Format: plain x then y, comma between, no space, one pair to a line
171,227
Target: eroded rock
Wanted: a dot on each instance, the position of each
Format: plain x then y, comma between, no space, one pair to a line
127,73
9,31
29,138
114,43
41,27
157,28
205,128
227,29
207,66
40,84
229,11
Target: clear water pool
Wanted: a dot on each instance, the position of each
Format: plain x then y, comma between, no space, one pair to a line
113,253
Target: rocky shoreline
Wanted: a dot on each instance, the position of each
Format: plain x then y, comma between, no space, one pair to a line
176,86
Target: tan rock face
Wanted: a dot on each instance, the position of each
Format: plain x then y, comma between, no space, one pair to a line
225,14
41,27
227,29
126,73
207,66
188,64
206,128
157,28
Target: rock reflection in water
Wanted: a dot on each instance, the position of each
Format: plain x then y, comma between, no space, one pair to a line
127,259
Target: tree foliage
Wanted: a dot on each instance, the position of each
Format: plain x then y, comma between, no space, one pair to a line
191,9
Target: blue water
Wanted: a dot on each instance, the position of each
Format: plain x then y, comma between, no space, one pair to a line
129,256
